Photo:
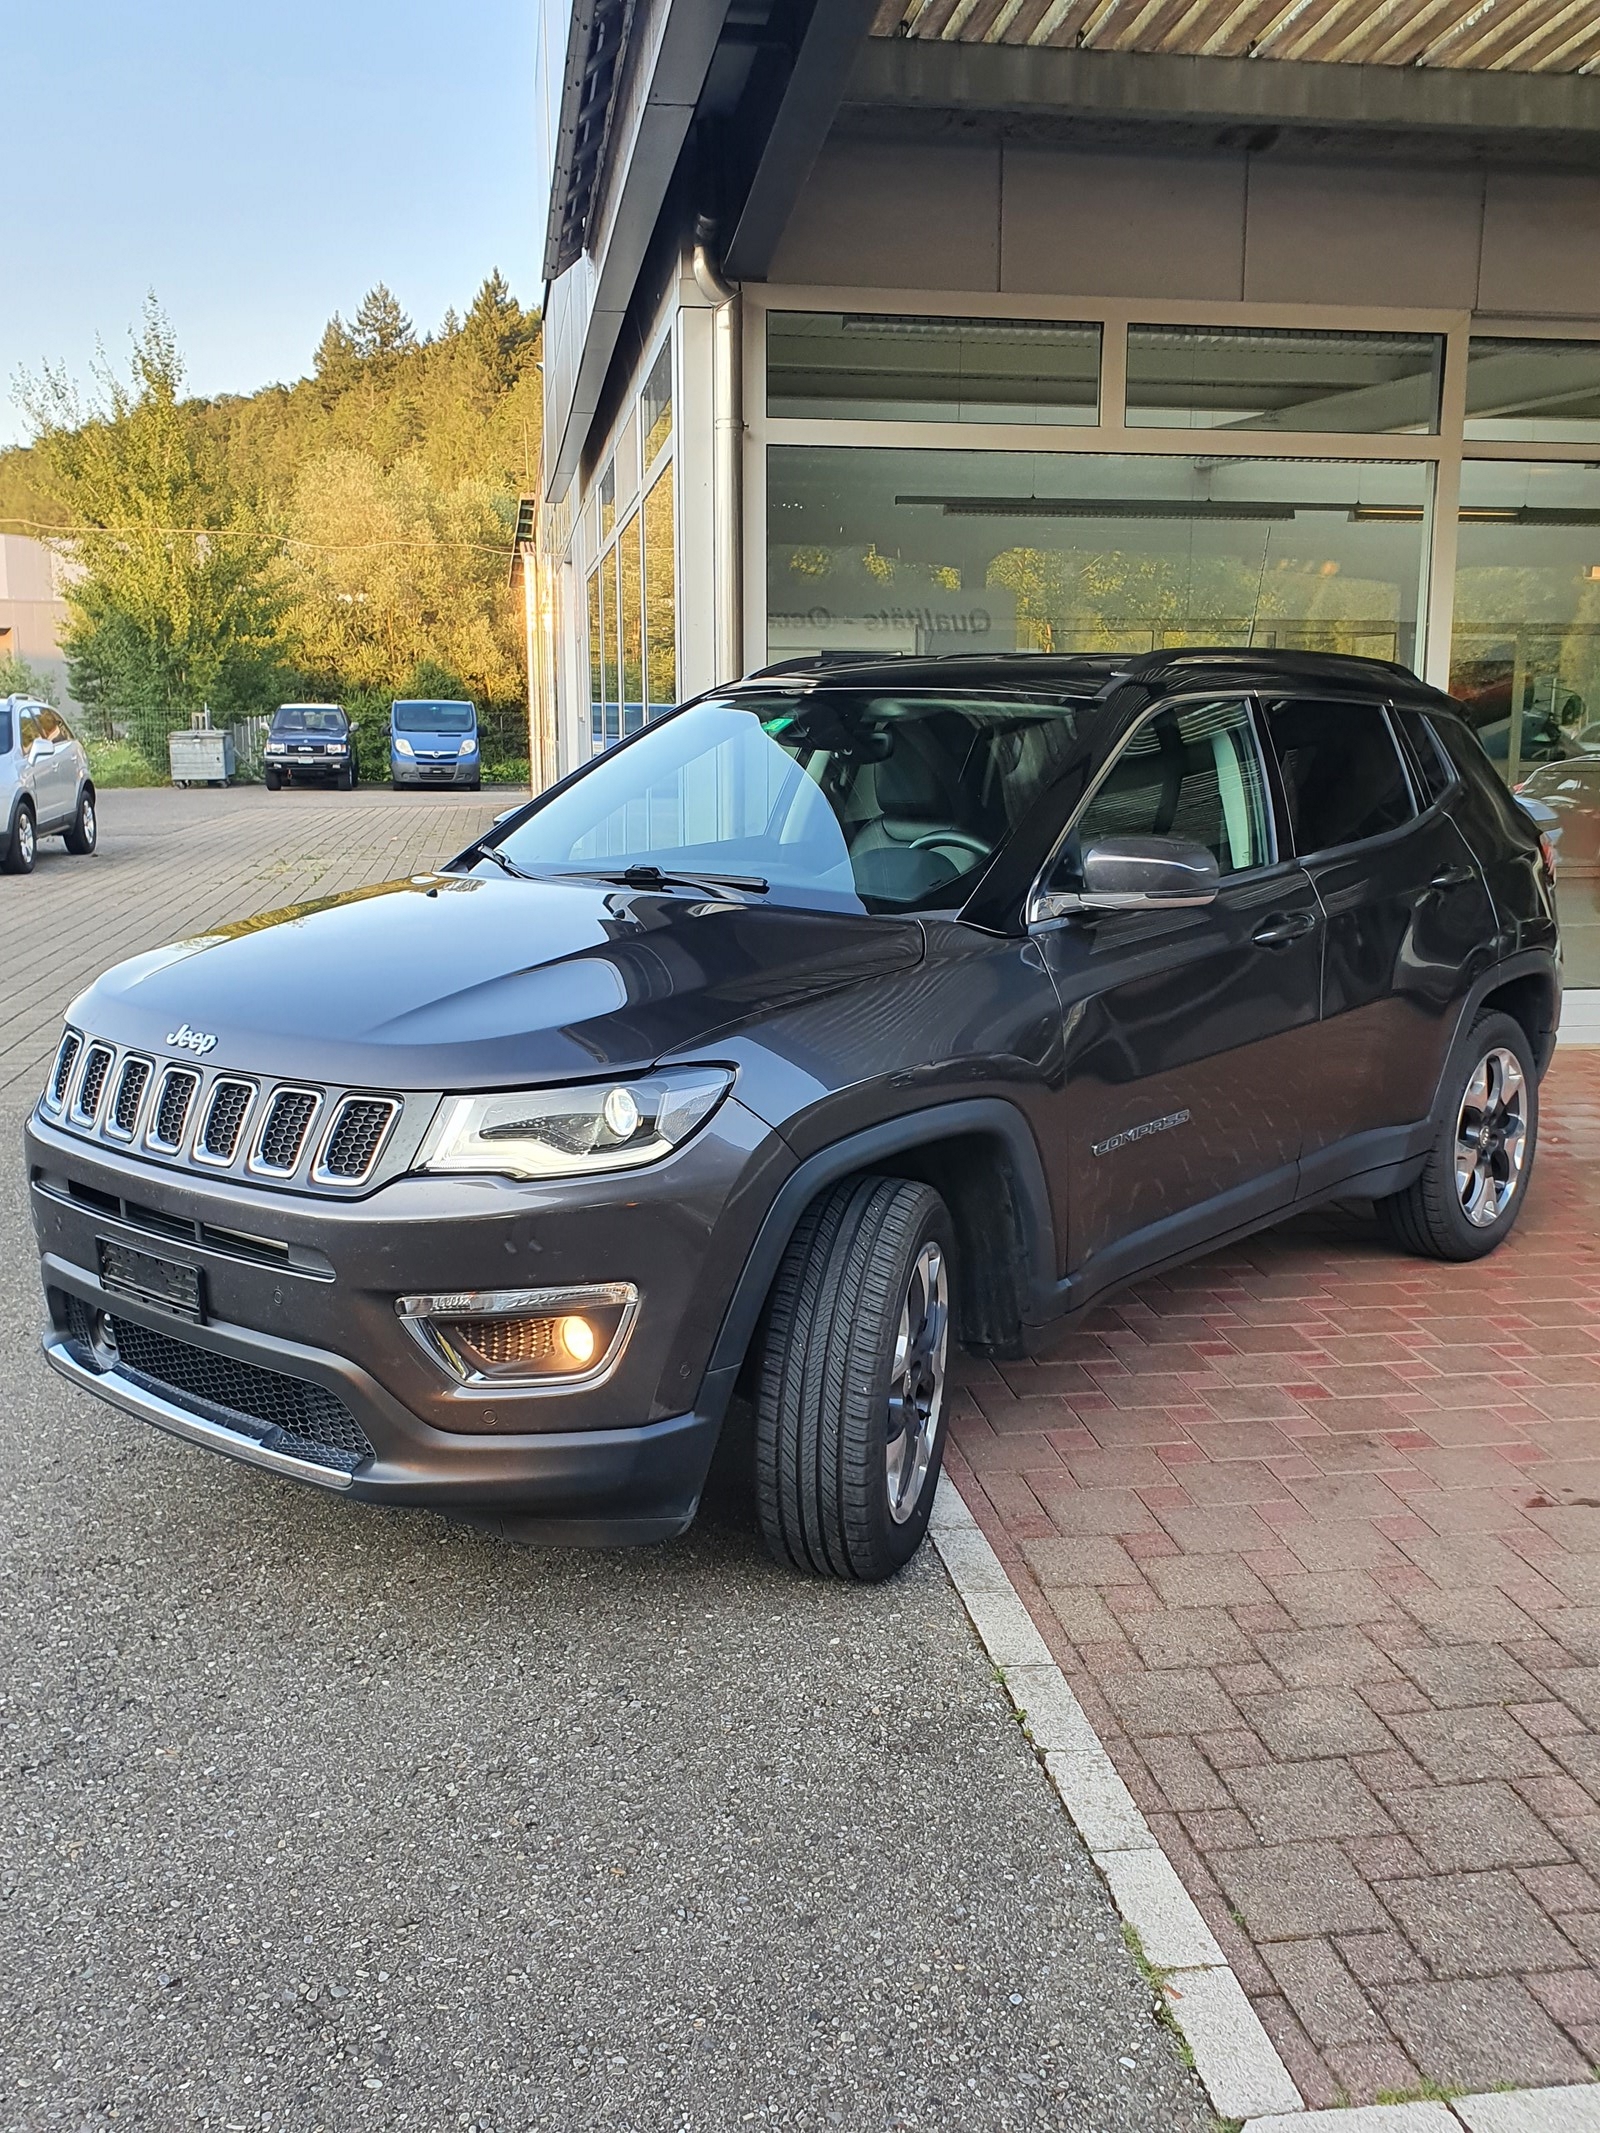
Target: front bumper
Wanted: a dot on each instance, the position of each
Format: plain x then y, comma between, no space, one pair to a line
463,770
624,1459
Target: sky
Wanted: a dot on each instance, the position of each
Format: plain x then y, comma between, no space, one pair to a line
258,167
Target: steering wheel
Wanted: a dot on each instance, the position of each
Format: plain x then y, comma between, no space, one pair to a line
961,839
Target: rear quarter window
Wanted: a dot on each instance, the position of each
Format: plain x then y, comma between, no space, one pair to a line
6,735
1431,767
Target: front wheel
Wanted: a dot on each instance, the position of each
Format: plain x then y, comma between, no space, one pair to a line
853,1397
84,834
1475,1178
22,846
272,779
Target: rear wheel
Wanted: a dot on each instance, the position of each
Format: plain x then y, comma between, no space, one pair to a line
84,834
1474,1180
852,1394
22,846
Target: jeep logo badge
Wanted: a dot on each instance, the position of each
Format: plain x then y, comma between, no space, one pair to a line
198,1041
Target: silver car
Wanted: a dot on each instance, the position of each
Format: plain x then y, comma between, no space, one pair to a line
45,787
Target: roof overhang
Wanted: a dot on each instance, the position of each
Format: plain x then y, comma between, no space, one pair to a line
1049,91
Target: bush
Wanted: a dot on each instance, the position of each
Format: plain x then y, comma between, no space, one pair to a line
114,763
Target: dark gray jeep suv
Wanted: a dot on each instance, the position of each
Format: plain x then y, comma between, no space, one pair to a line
837,1016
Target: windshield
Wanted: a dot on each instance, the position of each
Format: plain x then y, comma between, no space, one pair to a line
892,803
433,718
310,718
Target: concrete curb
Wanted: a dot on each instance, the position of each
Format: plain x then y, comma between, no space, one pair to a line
1236,2060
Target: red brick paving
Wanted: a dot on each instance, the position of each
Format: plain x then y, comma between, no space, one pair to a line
1313,1528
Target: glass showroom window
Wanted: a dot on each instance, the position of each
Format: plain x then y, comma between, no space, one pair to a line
1525,662
867,367
1232,378
1533,392
632,590
927,551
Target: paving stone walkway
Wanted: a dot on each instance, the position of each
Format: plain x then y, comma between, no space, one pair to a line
1313,1529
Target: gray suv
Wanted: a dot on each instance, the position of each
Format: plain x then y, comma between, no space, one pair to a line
45,787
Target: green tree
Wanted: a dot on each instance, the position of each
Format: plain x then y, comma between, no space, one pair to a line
173,597
380,327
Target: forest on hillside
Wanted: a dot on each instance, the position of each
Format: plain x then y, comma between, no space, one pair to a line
343,538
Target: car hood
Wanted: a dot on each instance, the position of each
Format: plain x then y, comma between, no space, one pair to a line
453,981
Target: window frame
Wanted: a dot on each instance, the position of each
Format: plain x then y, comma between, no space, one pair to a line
1350,697
1040,894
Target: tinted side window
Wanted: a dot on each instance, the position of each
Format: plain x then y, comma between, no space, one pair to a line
1342,774
1193,772
5,729
1428,760
30,730
53,727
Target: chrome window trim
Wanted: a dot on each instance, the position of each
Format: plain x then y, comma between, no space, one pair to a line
319,1175
198,1152
253,1162
1047,907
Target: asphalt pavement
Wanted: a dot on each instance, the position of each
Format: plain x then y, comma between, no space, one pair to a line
320,1816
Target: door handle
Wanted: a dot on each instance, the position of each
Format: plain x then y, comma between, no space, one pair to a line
1291,926
1455,877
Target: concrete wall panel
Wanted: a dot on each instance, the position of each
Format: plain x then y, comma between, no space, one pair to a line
903,217
1115,225
1332,234
1541,245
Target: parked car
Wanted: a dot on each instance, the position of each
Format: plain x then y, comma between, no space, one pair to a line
832,1020
432,743
310,744
45,786
1570,791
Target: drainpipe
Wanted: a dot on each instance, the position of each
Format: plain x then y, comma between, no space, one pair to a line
727,462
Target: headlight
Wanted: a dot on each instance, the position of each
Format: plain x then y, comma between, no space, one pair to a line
402,746
568,1132
276,748
469,746
338,747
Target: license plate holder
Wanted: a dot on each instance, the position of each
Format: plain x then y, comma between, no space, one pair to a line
170,1284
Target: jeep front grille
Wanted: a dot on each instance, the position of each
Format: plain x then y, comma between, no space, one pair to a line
131,1085
218,1139
355,1139
284,1134
284,1130
96,1068
172,1110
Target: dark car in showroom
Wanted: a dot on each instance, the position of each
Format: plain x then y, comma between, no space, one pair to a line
842,1015
310,744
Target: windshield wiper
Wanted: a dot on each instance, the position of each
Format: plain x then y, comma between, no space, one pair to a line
489,851
651,877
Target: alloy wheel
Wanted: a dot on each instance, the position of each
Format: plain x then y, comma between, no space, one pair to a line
917,1380
25,839
1491,1137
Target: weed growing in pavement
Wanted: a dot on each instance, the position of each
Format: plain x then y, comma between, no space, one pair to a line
1156,1978
1426,2092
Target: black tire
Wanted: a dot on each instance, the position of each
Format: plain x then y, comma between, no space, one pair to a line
84,834
826,1354
22,844
272,779
345,781
1489,1115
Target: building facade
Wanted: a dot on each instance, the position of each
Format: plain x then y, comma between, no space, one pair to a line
994,324
33,614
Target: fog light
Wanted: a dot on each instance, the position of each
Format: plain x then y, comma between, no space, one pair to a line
103,1342
578,1338
532,1339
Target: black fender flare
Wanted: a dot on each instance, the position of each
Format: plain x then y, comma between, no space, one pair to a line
1530,963
878,1147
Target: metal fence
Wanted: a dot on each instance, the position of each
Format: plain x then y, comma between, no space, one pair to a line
132,749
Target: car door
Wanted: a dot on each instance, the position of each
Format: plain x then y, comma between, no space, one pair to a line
1188,1034
1408,922
35,752
65,765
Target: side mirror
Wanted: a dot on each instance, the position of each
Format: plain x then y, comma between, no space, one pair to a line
1135,874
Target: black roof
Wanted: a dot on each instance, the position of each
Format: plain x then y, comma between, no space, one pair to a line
1097,673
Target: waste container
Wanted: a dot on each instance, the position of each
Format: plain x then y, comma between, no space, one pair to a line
201,756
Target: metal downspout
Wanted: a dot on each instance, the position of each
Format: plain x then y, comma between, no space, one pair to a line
727,464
